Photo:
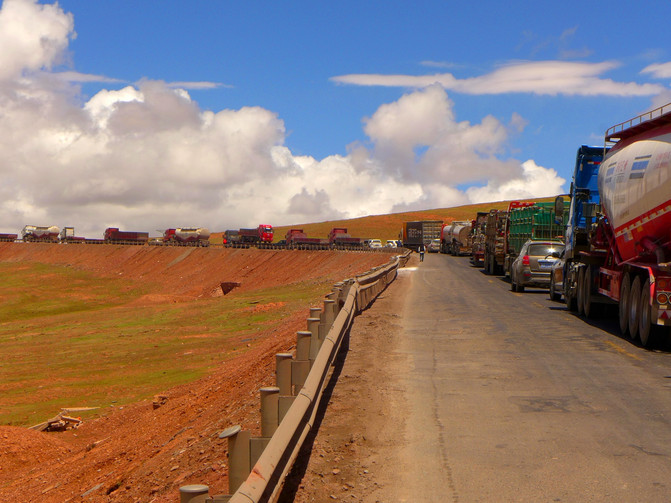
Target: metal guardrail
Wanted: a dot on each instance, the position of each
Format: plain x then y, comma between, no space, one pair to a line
258,466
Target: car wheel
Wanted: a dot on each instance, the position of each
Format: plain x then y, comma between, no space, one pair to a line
513,286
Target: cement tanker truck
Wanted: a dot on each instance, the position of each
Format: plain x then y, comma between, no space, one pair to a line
40,233
187,236
619,230
455,238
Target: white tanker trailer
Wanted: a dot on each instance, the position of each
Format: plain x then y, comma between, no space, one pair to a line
627,257
194,236
39,233
456,238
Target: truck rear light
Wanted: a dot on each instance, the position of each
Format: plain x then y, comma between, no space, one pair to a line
525,260
661,283
662,298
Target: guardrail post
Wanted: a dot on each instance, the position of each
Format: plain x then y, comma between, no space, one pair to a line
315,312
315,342
194,493
239,461
283,372
269,410
303,344
329,313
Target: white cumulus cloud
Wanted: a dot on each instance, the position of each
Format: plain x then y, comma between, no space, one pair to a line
147,157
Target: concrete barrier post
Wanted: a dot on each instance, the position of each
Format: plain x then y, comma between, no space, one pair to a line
299,373
239,464
315,312
315,342
303,344
194,493
329,313
283,372
269,410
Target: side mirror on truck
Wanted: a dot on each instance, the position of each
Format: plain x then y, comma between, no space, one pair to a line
559,209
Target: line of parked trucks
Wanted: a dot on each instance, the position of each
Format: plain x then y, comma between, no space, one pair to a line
199,236
189,236
609,244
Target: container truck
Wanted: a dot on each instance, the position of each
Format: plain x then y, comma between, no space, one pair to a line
531,221
339,238
67,235
114,235
420,232
231,237
39,233
187,236
296,238
478,239
262,234
455,238
495,241
625,258
8,238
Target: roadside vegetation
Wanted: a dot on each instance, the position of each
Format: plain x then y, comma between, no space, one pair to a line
70,338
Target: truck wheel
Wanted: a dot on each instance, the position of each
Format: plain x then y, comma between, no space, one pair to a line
646,329
580,292
554,296
623,307
634,307
569,299
591,309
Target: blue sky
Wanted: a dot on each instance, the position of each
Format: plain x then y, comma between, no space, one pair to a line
321,110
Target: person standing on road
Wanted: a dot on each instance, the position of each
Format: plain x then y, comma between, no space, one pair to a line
422,249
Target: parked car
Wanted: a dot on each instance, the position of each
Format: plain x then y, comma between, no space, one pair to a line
374,243
434,246
533,265
392,243
557,279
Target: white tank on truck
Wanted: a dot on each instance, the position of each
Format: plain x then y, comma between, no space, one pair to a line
456,238
40,233
197,236
627,257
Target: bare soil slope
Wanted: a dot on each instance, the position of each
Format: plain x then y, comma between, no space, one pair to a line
139,453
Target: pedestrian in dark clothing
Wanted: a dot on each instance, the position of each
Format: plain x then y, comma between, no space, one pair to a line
422,249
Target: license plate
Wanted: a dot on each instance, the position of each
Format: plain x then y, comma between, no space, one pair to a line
545,266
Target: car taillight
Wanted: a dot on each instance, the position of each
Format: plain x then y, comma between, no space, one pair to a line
525,260
662,298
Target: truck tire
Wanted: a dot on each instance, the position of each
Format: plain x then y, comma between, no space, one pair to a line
623,307
591,309
646,330
580,292
634,307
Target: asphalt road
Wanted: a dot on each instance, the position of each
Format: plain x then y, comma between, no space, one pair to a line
513,398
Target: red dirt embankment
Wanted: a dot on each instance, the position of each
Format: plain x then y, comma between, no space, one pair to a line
141,454
198,272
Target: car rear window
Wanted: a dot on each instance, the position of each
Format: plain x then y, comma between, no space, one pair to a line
543,250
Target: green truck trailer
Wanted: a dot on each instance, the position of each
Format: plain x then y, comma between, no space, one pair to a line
531,221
